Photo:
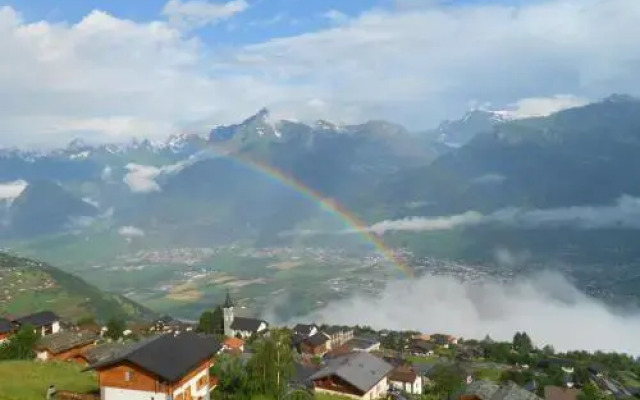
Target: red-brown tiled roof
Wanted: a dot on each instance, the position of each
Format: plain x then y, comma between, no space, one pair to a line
560,393
403,374
234,343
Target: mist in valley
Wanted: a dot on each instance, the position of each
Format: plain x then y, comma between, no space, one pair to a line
546,305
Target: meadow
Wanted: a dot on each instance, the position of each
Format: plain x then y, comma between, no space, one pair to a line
29,380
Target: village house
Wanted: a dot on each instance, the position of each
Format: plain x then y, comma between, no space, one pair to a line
485,390
166,324
233,345
338,335
560,393
421,347
404,378
6,328
305,330
356,375
316,344
163,367
443,340
65,346
239,326
364,344
596,370
104,351
45,322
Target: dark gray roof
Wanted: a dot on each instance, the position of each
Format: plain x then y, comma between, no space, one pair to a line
246,324
296,339
5,326
490,391
38,319
106,351
168,357
422,345
317,340
302,373
361,370
423,368
304,329
361,343
66,340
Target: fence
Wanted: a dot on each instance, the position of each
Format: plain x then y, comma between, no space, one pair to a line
67,395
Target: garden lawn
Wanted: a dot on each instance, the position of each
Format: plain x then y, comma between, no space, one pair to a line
28,380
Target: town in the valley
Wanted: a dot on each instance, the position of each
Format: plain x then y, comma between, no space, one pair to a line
228,356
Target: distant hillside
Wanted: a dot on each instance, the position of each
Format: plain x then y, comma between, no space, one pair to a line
28,286
46,207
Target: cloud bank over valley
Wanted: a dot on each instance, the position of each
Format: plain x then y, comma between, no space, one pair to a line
546,305
624,213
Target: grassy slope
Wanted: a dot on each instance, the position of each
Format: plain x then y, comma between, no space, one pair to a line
28,380
71,297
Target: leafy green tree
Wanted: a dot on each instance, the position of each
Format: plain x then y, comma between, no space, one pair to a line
205,323
86,320
272,364
446,380
497,352
115,329
581,376
212,322
548,350
20,346
590,392
522,343
519,377
233,380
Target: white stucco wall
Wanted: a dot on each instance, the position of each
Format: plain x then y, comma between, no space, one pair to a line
411,388
378,391
42,355
192,385
109,393
55,328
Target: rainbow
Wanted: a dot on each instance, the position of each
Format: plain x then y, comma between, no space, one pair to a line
348,218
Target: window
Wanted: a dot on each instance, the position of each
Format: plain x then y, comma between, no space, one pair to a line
127,376
202,382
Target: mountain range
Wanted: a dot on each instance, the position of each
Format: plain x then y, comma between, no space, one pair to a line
220,187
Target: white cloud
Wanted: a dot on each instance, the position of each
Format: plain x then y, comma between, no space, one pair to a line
624,213
419,224
107,171
542,106
489,179
397,64
11,190
142,178
130,231
198,13
546,306
91,201
108,78
335,16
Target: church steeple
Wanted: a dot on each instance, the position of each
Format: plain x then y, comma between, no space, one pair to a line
227,312
227,302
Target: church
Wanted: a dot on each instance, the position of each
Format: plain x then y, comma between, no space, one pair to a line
240,326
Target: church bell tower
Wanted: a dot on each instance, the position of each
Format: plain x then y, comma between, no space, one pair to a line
227,310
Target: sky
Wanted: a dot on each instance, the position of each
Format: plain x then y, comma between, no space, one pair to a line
108,71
